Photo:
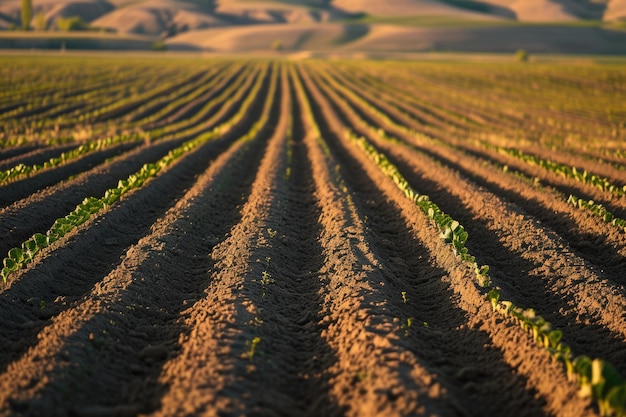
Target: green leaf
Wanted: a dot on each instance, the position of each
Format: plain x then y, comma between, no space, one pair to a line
555,337
5,274
17,255
582,366
604,376
29,246
10,264
40,240
494,297
616,399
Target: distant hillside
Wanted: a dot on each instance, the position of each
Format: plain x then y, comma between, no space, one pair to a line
231,25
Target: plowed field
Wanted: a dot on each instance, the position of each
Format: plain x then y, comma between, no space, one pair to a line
276,238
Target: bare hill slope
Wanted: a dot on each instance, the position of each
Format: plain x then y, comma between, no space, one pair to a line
233,25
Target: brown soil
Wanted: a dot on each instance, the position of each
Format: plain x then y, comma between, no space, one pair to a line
284,274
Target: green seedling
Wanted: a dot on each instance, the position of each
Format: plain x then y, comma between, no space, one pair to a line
253,346
404,297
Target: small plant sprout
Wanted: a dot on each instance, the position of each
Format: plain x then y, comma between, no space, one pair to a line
42,305
407,326
266,279
253,345
271,233
404,297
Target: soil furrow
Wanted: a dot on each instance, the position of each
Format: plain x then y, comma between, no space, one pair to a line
14,151
39,210
36,156
359,323
477,331
531,262
65,275
439,327
115,332
284,374
20,189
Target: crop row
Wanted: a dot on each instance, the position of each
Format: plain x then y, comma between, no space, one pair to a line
19,257
596,378
562,169
23,171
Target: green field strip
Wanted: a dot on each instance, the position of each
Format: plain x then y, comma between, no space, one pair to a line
177,100
411,98
22,171
151,89
235,88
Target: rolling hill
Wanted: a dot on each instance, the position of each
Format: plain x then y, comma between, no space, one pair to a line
567,26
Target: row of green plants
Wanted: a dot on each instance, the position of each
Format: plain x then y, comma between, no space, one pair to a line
597,209
596,378
180,96
152,87
451,231
561,169
23,171
234,90
19,257
577,202
105,94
